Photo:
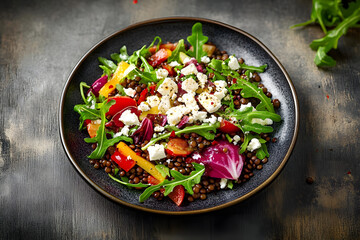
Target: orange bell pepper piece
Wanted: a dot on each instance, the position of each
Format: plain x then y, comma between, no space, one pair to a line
143,163
109,87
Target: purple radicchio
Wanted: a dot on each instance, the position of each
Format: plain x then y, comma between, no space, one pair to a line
144,132
221,163
98,84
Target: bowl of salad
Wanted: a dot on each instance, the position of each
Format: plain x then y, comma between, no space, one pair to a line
179,116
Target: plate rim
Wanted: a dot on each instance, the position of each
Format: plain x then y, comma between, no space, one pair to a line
175,19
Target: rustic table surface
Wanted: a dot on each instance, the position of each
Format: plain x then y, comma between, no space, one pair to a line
43,197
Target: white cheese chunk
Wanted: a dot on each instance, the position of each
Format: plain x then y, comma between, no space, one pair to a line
202,78
175,114
244,106
190,69
130,92
190,102
174,64
129,118
189,85
168,87
144,107
266,121
158,128
236,139
156,152
199,115
211,120
164,105
223,183
210,102
153,101
161,73
233,63
205,59
253,145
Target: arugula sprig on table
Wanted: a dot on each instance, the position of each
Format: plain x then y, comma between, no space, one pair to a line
331,13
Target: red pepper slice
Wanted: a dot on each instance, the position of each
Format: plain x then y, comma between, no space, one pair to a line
159,57
152,180
172,134
122,161
152,89
143,96
171,70
228,127
177,195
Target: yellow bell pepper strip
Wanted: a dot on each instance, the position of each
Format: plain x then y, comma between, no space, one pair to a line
143,163
109,87
153,110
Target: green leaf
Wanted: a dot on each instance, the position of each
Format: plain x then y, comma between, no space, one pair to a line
175,55
260,69
108,63
230,184
197,40
86,113
136,55
322,59
122,56
157,45
164,170
187,181
216,64
251,90
147,67
120,89
203,130
262,152
107,71
128,184
146,77
102,142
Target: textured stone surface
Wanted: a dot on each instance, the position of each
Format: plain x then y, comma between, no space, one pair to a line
41,194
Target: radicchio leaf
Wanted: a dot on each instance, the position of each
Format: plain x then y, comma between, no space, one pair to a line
220,163
144,132
183,121
98,84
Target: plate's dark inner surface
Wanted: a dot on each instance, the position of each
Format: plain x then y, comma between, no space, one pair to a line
173,30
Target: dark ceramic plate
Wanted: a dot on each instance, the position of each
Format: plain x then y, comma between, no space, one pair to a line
234,41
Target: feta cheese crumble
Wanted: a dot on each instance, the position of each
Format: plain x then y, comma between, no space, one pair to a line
164,105
189,85
244,106
175,114
168,87
153,101
174,64
211,120
190,69
161,73
266,121
233,63
253,145
130,92
144,107
210,102
129,118
156,152
202,78
236,139
190,102
158,128
205,59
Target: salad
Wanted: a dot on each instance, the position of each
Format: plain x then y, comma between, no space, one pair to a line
178,120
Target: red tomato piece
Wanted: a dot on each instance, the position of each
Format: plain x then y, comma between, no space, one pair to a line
177,195
228,127
121,103
152,89
92,128
152,180
170,46
178,147
122,161
143,96
159,57
171,70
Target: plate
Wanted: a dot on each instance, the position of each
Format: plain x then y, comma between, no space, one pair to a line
231,39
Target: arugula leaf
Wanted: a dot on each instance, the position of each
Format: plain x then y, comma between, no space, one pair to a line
136,55
187,181
157,45
86,113
147,67
325,44
128,184
260,69
82,85
197,40
120,89
146,77
108,63
251,90
102,142
180,47
164,170
107,71
262,152
230,184
203,130
123,56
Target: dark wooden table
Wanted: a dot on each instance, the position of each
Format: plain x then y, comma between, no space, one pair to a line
43,197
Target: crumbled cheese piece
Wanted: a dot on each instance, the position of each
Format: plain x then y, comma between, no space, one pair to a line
210,102
158,128
154,135
199,115
190,102
156,152
153,101
174,97
129,69
187,59
125,130
233,63
220,95
161,73
233,119
174,64
96,121
266,121
175,114
202,79
144,107
93,103
164,105
168,87
253,145
196,156
219,119
244,106
223,183
227,98
129,118
189,85
130,92
236,139
220,89
205,59
211,120
190,69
